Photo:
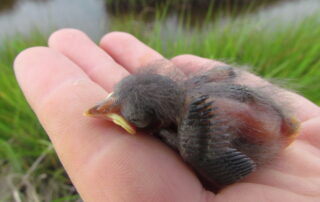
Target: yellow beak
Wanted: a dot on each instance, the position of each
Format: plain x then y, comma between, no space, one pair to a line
109,110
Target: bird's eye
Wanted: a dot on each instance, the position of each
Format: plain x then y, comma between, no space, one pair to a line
139,123
134,120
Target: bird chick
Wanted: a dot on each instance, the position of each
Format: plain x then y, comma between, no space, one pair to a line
224,130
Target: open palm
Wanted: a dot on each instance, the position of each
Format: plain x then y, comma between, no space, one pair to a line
106,164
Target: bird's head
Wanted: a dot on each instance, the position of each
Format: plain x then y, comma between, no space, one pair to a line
141,101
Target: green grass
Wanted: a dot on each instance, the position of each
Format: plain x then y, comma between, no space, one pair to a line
289,52
130,4
30,170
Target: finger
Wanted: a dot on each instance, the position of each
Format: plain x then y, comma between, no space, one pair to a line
304,108
102,162
59,92
296,170
128,51
191,63
79,48
310,131
258,192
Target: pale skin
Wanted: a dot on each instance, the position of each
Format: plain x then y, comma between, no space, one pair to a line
106,164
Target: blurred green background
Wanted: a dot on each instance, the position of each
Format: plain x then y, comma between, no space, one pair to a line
279,39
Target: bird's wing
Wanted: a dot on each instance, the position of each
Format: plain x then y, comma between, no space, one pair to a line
218,74
205,144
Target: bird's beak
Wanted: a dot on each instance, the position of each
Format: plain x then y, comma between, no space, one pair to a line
108,109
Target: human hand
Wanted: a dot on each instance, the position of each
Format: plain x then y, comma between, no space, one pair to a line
106,164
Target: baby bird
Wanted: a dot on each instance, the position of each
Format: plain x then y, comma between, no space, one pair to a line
223,129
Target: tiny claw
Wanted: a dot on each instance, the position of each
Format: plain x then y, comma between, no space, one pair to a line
291,130
87,113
